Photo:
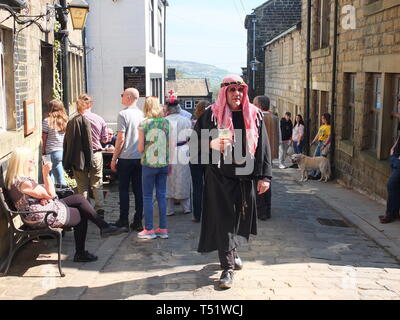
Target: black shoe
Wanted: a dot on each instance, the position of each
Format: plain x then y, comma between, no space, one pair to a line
100,213
264,217
112,231
137,226
226,280
388,218
84,257
122,224
187,212
294,166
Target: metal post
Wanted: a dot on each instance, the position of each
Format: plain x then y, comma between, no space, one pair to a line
254,53
308,76
65,58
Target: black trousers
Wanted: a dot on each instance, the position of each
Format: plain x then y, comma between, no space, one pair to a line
227,259
264,203
80,212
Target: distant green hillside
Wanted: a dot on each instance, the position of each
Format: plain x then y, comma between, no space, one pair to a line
187,69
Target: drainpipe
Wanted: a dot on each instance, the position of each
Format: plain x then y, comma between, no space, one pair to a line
334,83
308,81
254,20
165,52
85,58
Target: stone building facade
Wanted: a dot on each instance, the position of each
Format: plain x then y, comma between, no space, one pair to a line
368,94
364,96
271,19
283,79
27,79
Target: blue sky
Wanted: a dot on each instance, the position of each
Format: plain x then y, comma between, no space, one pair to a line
209,31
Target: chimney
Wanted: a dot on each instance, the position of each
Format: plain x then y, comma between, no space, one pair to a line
171,74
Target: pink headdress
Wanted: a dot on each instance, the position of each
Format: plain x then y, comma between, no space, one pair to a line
222,114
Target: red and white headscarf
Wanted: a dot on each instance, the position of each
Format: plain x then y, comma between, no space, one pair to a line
222,114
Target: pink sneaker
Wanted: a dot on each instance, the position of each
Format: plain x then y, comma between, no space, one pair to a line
147,234
162,233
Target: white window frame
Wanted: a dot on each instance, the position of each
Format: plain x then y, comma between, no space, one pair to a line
3,105
188,104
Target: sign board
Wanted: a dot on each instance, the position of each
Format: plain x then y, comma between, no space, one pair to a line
29,117
135,77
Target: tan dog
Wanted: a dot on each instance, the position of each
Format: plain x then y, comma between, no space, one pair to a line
308,163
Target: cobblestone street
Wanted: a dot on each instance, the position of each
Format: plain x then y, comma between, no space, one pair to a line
294,256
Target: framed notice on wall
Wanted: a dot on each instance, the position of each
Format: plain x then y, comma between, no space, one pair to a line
29,117
135,77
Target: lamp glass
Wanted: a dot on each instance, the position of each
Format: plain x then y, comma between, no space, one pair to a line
78,16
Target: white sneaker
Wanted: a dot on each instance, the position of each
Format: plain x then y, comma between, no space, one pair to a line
170,214
281,166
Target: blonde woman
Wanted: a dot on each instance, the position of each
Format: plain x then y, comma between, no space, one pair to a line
154,146
73,211
53,132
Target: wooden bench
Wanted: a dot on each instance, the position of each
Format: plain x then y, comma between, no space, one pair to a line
19,236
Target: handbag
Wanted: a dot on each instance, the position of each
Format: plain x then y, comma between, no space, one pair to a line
63,191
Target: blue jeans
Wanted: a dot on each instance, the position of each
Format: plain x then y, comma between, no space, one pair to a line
57,172
197,171
317,153
298,147
130,172
393,187
154,177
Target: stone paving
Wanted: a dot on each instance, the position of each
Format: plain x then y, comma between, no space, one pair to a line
293,257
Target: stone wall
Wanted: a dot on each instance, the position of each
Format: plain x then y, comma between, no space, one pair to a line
23,82
283,75
273,18
372,47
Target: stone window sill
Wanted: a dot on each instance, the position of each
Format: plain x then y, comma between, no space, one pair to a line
152,50
379,6
319,53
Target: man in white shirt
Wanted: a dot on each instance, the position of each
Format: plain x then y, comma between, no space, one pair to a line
126,160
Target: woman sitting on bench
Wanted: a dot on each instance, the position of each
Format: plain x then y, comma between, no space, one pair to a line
73,211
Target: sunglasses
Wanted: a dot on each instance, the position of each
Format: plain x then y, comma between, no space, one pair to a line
234,89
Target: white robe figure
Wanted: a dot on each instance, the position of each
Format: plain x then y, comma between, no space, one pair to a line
179,178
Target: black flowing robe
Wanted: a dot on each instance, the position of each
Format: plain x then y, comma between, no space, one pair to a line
229,198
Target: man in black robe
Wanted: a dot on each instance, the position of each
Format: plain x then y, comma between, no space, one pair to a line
233,129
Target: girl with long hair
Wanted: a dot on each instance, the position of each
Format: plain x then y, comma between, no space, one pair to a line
53,132
298,134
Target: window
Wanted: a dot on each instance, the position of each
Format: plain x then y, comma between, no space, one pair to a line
3,113
321,24
318,108
188,104
160,30
349,106
76,77
396,107
280,52
151,21
291,51
375,111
